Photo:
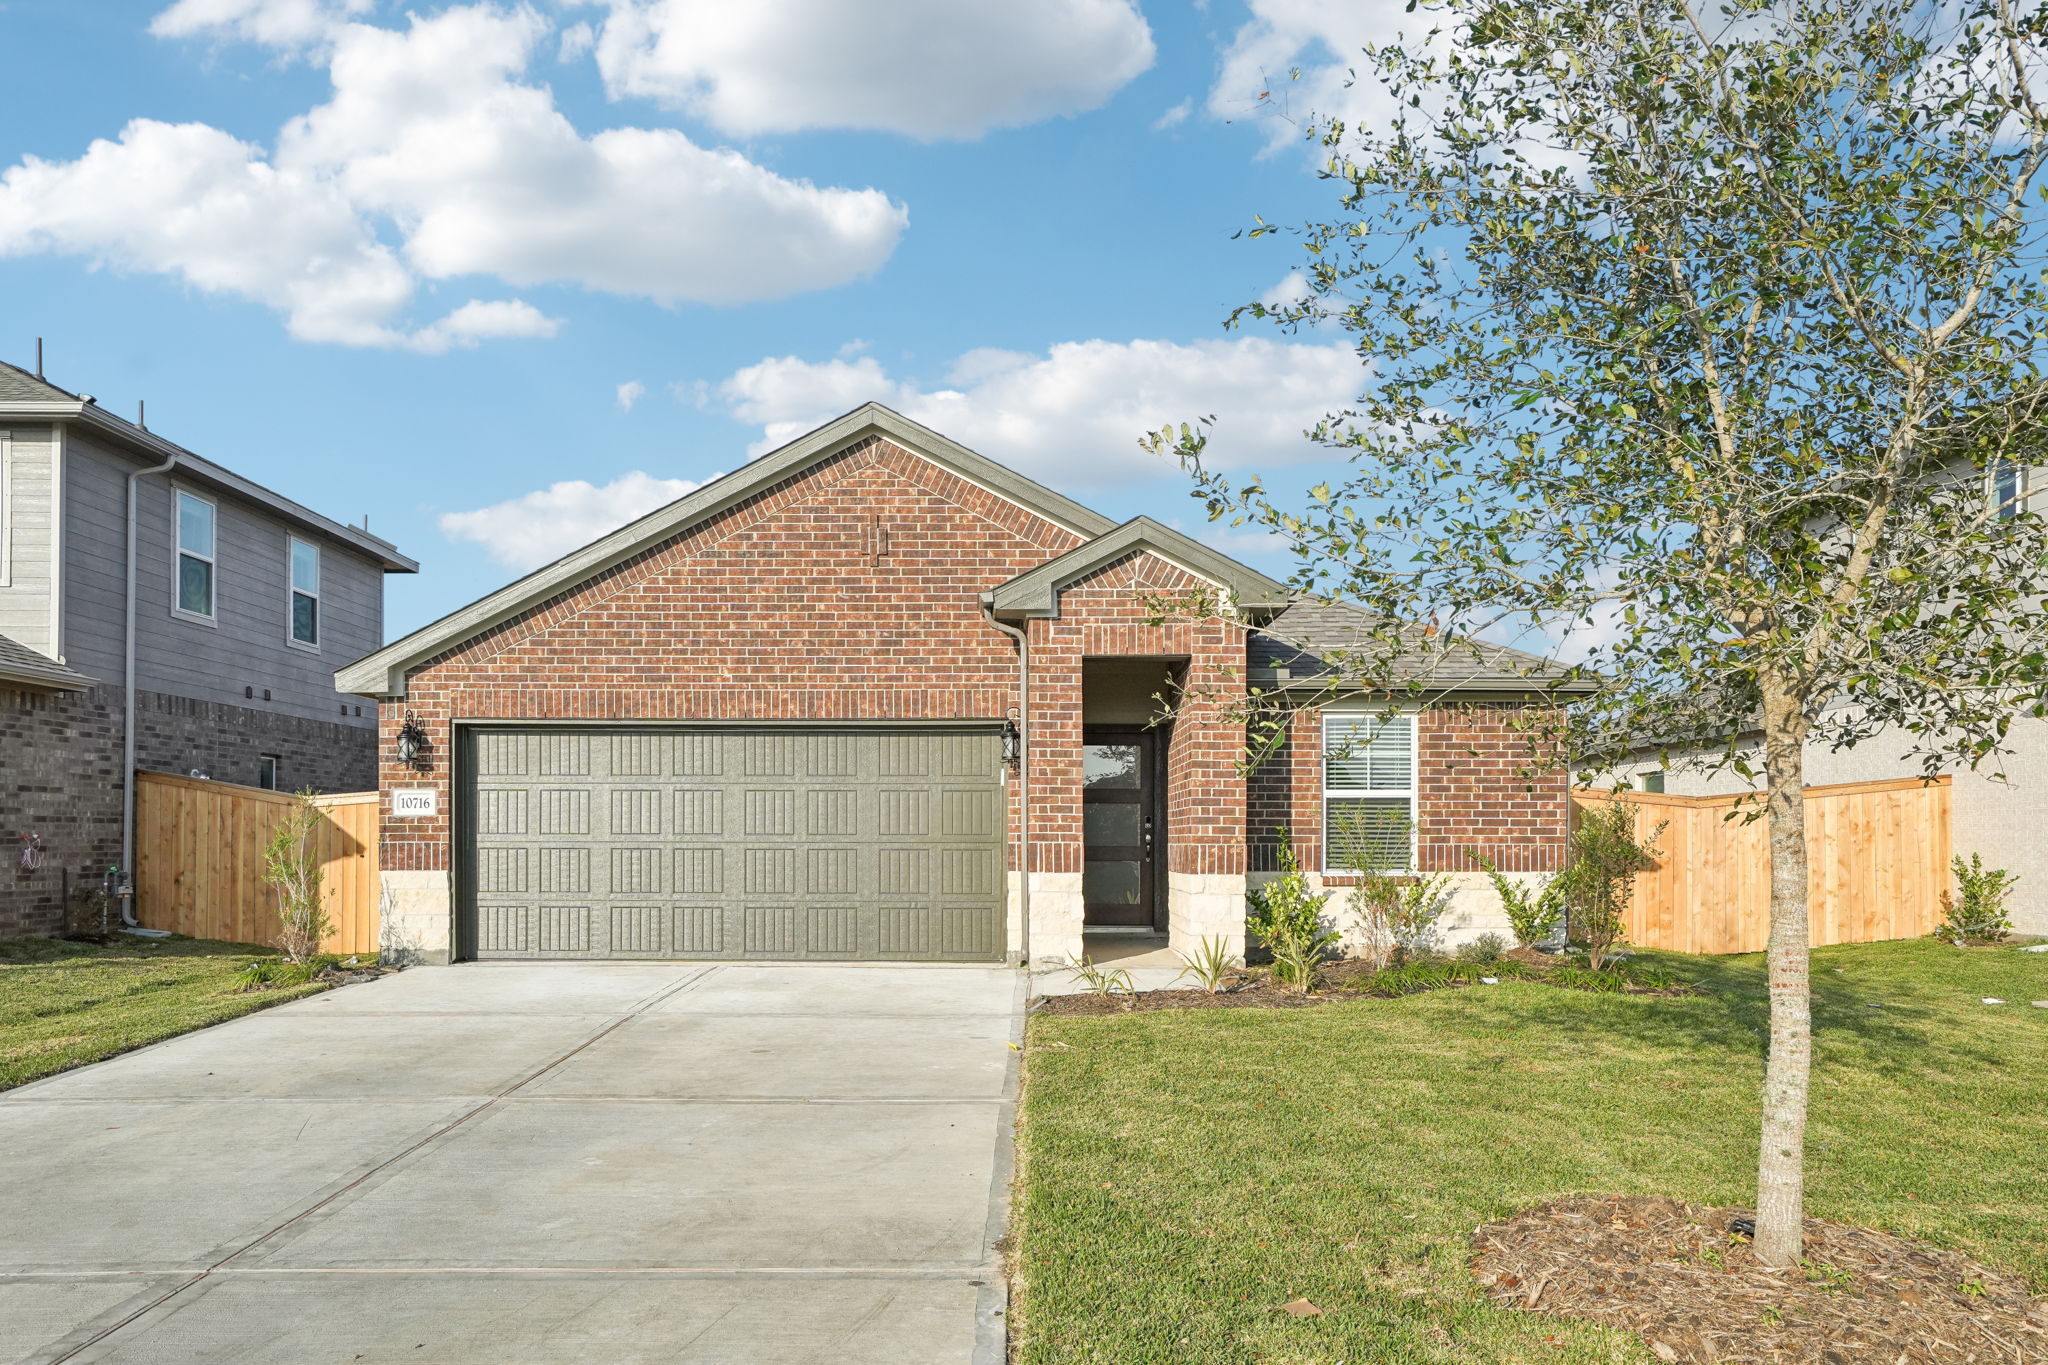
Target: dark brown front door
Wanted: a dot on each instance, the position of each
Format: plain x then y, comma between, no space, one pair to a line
1117,828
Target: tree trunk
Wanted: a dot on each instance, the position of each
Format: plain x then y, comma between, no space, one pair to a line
1781,1164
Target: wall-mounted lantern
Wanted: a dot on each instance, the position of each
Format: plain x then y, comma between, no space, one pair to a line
412,742
1013,745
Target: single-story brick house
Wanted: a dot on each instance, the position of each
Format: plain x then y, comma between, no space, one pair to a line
831,704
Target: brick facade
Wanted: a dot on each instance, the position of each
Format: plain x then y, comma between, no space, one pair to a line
851,591
61,777
1475,792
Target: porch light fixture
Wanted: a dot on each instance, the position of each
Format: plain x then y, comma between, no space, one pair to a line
412,741
1013,744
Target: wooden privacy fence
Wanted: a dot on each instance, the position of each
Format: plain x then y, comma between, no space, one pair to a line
1877,864
199,861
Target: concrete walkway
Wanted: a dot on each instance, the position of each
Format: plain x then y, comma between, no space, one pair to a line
512,1163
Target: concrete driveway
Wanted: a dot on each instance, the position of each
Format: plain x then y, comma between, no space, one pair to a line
550,1162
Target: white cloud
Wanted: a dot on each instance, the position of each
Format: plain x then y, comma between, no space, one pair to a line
433,138
1291,290
629,393
478,320
192,202
1324,40
1074,415
1174,117
526,532
932,69
277,23
577,42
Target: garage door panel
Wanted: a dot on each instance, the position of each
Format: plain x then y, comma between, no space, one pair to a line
833,844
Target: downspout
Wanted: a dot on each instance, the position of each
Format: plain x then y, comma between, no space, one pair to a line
127,891
1023,774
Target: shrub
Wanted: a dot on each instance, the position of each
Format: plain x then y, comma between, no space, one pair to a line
1397,915
1532,915
1599,878
1286,914
292,865
1978,912
1208,964
1485,948
1105,983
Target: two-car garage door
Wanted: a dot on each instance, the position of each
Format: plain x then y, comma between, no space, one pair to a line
831,843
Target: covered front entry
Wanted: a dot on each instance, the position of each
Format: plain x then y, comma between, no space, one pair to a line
778,842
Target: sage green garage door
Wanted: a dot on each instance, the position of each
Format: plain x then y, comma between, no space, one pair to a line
841,844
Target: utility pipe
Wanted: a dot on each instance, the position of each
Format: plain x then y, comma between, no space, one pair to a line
1023,773
128,703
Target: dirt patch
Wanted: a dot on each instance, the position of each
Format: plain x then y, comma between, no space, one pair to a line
1675,1275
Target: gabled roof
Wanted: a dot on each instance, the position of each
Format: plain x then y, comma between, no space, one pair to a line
24,667
1300,639
31,397
383,673
1036,592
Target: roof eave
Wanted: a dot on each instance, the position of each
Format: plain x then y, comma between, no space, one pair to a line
1035,592
382,674
106,423
59,679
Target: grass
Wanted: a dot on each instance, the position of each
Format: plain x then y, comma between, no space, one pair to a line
63,1004
1184,1173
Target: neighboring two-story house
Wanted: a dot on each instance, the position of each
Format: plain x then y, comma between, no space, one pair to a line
244,605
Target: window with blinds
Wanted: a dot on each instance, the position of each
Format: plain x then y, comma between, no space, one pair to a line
1368,790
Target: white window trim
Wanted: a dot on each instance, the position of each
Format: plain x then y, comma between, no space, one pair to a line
293,590
178,553
1410,792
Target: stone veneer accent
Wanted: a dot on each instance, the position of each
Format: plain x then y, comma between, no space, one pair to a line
61,777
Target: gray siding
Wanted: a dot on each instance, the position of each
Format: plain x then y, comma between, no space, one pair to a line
246,646
28,537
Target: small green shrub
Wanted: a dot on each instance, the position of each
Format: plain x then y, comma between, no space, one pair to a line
1286,915
1977,911
1532,915
1105,983
1485,948
1599,879
258,975
1209,964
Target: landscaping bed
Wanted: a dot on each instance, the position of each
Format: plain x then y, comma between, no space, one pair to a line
1185,1175
1349,979
67,1002
1683,1278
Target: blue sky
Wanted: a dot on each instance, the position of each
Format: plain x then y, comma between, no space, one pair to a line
402,262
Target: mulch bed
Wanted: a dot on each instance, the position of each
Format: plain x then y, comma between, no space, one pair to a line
1346,979
1675,1275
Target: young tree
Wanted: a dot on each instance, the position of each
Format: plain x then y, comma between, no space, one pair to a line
291,865
1712,336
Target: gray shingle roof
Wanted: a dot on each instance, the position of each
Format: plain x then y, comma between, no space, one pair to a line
19,386
1301,637
19,663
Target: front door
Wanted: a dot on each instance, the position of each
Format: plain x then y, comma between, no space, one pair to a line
1118,825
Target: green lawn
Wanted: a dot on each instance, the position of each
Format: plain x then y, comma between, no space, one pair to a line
1184,1173
64,1004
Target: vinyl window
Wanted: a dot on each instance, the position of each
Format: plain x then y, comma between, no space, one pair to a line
195,556
1368,790
2008,489
305,592
266,772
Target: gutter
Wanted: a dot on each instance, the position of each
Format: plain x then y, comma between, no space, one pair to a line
127,891
1023,640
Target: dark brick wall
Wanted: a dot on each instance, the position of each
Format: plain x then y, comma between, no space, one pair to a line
60,777
178,734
